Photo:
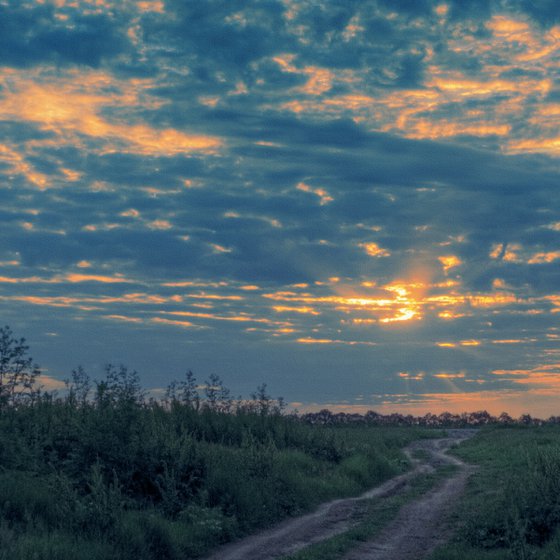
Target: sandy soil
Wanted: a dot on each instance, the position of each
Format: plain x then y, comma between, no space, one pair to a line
416,531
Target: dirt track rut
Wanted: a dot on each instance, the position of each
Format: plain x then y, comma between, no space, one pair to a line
415,531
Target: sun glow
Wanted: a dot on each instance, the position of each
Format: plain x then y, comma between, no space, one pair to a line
396,302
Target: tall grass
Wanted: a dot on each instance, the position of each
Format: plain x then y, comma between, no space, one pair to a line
512,508
123,478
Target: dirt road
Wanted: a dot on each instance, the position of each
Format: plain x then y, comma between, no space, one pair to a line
420,525
416,531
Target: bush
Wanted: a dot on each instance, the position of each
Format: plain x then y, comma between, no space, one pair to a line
169,480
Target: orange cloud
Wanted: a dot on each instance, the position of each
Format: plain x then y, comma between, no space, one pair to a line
460,375
291,309
450,315
48,301
204,295
70,277
72,107
423,128
160,225
495,402
403,314
396,302
544,145
319,79
416,113
492,300
240,318
123,318
49,383
374,250
310,340
417,377
220,248
323,195
17,165
404,301
450,261
509,29
545,257
74,277
151,6
162,321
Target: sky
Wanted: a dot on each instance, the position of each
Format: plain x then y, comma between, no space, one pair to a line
356,203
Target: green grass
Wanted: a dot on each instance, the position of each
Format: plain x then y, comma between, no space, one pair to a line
37,545
152,482
373,517
511,510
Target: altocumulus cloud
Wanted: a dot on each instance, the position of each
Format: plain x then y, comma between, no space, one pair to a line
355,203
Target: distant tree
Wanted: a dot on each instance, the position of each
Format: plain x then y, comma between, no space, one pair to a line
265,404
121,386
18,372
79,386
184,391
218,397
280,406
505,418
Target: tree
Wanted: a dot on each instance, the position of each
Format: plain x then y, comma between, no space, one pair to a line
18,372
79,387
262,399
218,397
265,404
121,386
184,391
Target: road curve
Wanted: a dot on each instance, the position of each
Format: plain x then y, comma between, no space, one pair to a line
411,535
420,525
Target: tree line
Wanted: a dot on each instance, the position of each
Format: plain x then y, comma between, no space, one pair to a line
20,384
20,375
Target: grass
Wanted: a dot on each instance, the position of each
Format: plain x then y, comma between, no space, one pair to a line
511,510
122,478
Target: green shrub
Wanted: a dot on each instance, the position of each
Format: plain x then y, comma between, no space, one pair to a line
144,477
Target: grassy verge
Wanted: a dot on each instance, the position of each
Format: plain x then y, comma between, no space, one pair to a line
126,479
511,510
373,517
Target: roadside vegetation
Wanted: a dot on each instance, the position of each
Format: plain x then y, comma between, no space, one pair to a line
511,510
102,471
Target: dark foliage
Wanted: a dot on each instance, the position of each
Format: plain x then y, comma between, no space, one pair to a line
104,472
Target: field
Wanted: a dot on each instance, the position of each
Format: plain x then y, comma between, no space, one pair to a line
104,472
511,509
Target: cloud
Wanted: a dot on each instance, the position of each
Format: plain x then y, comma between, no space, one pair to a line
71,109
35,32
295,188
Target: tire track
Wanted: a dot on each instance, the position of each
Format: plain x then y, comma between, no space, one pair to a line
420,526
